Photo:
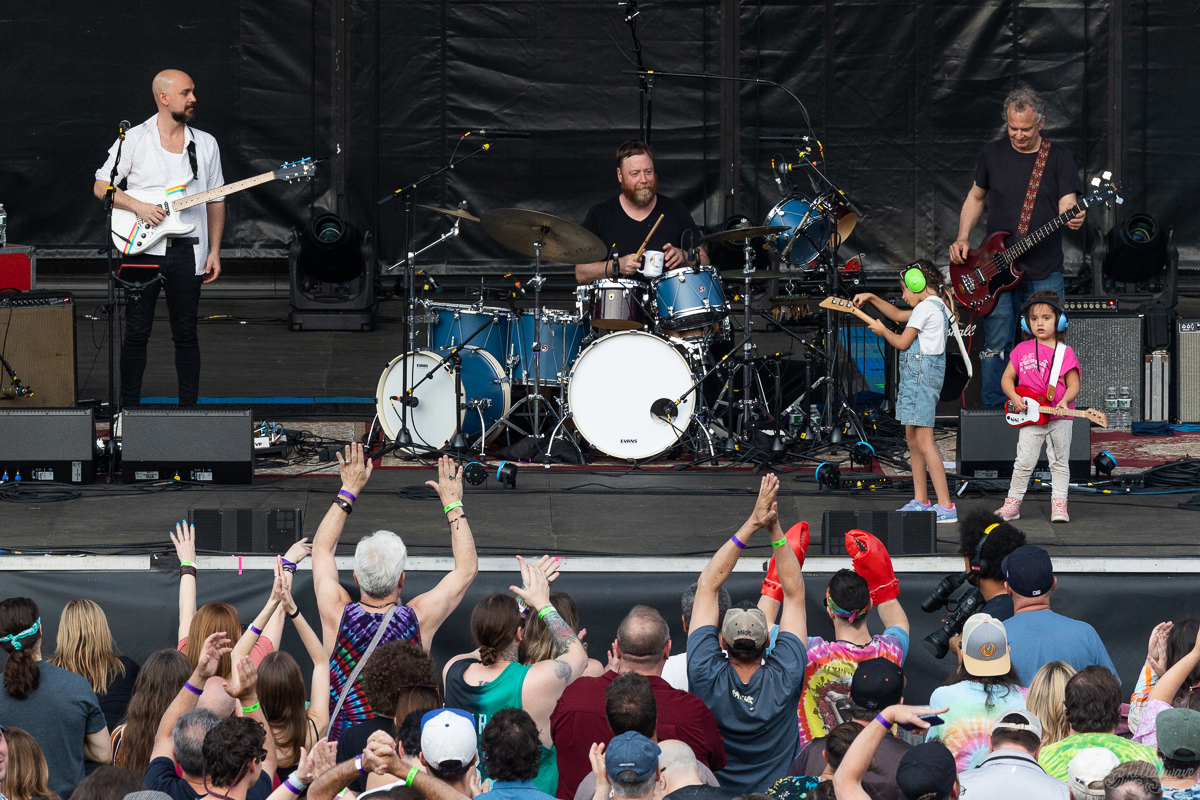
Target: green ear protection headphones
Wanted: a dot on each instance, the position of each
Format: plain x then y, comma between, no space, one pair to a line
914,279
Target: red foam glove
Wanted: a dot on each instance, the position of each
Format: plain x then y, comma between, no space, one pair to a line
797,539
873,564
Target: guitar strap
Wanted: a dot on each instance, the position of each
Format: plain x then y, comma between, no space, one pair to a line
1060,350
1035,180
962,348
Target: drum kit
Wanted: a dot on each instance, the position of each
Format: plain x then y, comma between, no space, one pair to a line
623,371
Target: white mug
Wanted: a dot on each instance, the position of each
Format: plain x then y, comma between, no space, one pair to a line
652,263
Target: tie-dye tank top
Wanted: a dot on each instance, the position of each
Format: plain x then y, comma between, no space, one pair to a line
354,635
827,677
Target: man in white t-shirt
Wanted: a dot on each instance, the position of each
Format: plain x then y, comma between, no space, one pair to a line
165,151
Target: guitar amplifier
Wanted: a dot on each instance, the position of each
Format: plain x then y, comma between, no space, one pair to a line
1076,304
1188,369
987,447
37,339
1109,348
47,444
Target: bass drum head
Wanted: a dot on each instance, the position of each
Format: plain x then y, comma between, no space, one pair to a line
613,386
431,423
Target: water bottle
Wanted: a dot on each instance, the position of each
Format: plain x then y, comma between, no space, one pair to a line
3,226
1110,402
1125,405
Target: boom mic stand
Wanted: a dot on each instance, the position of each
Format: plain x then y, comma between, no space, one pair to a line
114,400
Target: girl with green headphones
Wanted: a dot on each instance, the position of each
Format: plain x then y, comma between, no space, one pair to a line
922,346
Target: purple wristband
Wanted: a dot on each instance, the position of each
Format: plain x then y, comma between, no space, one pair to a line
345,493
290,566
737,541
188,685
257,631
882,720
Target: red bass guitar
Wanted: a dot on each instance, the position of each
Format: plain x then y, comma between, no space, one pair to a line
1039,411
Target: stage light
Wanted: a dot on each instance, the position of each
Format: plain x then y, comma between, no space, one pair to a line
1105,463
330,250
1135,250
507,474
861,452
475,473
828,475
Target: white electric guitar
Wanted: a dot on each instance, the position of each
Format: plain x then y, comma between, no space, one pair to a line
132,234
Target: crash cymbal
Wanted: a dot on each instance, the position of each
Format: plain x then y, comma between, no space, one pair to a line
451,212
736,275
563,242
741,234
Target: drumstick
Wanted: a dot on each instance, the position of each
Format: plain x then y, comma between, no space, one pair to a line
642,249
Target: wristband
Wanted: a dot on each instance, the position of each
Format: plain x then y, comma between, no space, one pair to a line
290,566
187,563
345,493
452,506
780,543
296,788
251,709
358,764
524,609
187,571
344,504
293,616
544,611
882,720
188,685
412,773
738,542
257,630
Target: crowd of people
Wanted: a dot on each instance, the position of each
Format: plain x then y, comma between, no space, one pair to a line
751,707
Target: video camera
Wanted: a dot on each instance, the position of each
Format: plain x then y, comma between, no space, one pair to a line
961,609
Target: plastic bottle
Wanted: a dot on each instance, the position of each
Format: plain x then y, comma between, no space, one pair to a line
3,226
1110,403
1125,404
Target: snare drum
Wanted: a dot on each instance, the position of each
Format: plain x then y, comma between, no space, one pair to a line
560,342
689,297
801,250
618,304
455,323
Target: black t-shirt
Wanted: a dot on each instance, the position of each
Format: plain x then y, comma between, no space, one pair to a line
609,221
1000,607
160,777
701,792
880,780
114,702
354,740
1005,173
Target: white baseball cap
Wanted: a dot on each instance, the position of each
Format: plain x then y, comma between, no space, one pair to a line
1090,765
448,738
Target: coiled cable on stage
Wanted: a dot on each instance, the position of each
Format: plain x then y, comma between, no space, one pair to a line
1181,474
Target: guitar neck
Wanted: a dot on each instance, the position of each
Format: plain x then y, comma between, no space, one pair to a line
846,307
1022,247
229,188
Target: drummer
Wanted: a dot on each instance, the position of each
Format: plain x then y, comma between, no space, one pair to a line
625,220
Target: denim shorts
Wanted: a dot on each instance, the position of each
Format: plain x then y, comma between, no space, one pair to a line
921,379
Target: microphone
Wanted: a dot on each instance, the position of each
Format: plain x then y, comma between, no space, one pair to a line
410,401
429,282
125,125
497,133
664,409
784,169
779,183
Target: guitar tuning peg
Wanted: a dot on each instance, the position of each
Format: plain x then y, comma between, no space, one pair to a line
1096,182
1120,200
1107,175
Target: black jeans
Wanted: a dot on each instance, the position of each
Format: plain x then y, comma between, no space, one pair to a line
182,286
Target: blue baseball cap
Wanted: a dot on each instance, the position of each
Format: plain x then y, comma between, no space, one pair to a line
1028,571
631,758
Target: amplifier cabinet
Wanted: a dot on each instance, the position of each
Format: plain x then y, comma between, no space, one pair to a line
987,446
48,444
37,339
247,530
903,533
1109,348
201,446
1188,369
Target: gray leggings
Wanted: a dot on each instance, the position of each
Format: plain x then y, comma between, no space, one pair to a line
1057,436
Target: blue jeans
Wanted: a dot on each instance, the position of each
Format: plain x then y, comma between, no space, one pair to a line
1000,329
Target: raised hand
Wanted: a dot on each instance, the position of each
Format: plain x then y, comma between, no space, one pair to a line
299,551
449,484
323,756
871,561
549,566
356,468
766,510
596,756
534,589
281,590
184,539
243,681
215,646
1156,651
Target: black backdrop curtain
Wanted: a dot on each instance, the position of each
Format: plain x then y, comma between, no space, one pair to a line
901,94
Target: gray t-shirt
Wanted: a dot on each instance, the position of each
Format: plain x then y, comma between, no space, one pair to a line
757,719
58,714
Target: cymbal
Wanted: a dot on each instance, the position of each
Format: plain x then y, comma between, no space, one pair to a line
563,241
451,212
736,275
741,234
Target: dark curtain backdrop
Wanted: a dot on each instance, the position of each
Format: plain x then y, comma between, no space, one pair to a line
901,94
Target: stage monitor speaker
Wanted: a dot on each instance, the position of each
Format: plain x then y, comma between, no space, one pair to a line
37,339
1188,370
903,533
48,444
987,446
193,445
1109,348
247,530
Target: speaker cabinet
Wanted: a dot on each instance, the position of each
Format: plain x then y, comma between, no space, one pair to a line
247,530
987,445
48,444
1188,369
193,445
1109,348
903,533
37,339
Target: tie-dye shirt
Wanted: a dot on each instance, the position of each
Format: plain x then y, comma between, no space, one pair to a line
354,635
827,677
968,728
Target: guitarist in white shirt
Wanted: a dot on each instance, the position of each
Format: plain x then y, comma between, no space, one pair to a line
165,151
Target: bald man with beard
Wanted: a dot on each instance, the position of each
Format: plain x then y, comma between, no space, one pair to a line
166,151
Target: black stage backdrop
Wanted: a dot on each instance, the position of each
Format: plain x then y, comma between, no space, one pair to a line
141,608
901,94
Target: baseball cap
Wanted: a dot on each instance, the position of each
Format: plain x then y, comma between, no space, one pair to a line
877,684
1031,723
1179,734
1090,765
927,772
1028,571
631,758
448,738
748,625
985,646
147,794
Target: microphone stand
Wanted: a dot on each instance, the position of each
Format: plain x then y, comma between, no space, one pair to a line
408,324
457,443
114,400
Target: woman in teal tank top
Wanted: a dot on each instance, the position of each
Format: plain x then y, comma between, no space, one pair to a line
491,679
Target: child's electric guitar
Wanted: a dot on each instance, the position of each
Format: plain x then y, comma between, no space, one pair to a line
1039,411
132,235
846,307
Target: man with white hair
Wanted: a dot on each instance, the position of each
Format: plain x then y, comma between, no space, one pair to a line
352,630
680,773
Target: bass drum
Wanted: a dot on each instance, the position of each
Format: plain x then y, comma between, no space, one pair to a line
622,393
485,391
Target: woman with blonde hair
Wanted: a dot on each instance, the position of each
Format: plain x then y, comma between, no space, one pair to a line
27,770
536,643
160,679
86,647
1047,699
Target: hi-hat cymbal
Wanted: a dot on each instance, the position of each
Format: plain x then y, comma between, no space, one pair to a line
736,275
741,234
563,241
451,212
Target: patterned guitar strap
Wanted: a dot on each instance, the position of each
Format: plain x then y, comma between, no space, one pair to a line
1035,180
